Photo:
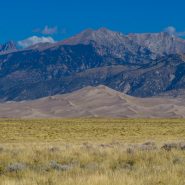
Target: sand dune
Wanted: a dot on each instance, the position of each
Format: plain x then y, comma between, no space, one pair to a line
98,101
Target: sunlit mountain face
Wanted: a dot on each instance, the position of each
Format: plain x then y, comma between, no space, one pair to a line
141,65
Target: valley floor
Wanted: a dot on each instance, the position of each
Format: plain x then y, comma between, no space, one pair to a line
92,152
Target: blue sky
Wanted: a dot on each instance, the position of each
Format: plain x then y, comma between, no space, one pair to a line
20,19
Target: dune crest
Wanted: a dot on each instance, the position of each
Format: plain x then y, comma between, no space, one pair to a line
99,101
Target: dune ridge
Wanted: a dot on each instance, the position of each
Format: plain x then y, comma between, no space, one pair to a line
99,101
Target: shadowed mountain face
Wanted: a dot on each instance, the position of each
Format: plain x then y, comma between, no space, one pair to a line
141,65
98,101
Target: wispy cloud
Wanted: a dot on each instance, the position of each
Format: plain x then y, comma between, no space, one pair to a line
47,30
35,40
172,31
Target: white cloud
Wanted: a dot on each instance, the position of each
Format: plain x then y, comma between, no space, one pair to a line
35,40
172,31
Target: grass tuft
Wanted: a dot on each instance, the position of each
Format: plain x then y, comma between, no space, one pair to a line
92,152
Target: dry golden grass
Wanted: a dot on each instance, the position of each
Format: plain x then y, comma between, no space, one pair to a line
92,152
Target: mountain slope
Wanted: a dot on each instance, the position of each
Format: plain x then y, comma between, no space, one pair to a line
140,65
98,101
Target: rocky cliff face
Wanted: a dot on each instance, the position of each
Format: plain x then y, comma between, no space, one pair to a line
160,43
138,64
7,47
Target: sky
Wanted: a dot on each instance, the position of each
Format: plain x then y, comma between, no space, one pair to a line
52,20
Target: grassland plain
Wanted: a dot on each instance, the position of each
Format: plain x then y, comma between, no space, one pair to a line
92,152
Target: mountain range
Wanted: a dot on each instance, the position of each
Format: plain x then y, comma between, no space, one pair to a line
140,65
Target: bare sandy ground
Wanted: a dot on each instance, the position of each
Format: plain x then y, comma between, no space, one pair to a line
98,101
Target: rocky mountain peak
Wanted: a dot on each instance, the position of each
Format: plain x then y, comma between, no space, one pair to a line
102,36
160,43
7,47
157,43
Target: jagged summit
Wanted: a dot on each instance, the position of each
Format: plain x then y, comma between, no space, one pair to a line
106,42
157,43
160,43
101,36
8,47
